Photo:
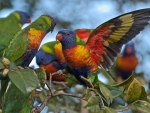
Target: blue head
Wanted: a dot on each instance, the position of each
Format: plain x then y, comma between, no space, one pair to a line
129,49
24,17
67,38
44,58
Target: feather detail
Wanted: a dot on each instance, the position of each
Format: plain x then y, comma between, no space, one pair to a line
59,53
77,57
35,37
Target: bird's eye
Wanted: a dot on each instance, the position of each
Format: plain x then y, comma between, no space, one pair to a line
67,34
42,58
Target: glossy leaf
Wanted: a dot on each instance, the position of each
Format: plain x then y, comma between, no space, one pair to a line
143,94
134,91
106,93
127,81
41,76
88,94
16,101
26,80
119,101
141,105
93,100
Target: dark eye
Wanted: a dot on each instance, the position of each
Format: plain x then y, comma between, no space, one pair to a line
67,34
42,58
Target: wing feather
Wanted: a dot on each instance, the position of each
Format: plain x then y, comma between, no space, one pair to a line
105,42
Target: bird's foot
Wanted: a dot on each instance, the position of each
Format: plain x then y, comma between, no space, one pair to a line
59,72
87,82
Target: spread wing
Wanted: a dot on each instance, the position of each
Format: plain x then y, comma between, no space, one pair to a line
105,42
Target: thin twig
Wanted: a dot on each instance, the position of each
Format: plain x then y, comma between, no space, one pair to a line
87,82
61,83
49,87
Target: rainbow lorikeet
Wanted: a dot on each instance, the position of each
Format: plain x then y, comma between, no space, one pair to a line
25,43
50,56
103,44
10,25
127,62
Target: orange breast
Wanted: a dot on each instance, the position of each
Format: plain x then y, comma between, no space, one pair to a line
127,63
77,57
35,37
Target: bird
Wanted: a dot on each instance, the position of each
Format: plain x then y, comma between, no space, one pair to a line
50,56
103,44
10,25
25,43
126,62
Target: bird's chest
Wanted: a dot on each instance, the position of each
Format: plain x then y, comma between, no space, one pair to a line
35,37
77,57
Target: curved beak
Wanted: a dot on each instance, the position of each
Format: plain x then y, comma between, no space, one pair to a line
59,37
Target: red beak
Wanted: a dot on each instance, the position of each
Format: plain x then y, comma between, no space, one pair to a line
29,20
59,37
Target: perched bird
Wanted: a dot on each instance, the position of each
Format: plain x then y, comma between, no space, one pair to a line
50,56
103,44
25,43
10,25
127,62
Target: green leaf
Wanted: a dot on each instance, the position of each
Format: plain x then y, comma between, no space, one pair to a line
106,93
41,76
93,100
127,81
13,65
134,91
108,110
119,101
17,102
143,94
141,105
26,80
115,93
87,94
1,65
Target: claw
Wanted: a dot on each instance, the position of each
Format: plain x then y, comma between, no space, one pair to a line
59,72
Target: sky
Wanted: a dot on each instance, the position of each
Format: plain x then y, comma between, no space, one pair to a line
88,14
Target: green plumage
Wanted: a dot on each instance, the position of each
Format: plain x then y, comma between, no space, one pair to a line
19,44
8,27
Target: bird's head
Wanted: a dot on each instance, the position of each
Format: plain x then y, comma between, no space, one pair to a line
24,17
44,57
67,38
50,21
129,49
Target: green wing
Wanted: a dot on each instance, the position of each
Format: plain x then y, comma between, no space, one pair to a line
8,27
17,46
